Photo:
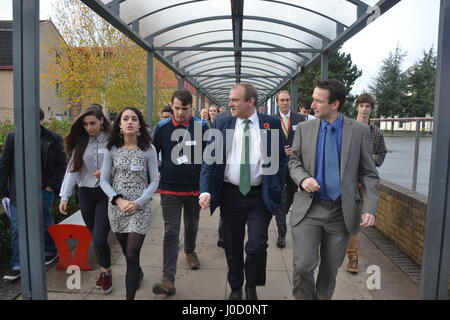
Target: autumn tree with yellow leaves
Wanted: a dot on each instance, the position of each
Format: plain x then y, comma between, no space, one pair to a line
96,63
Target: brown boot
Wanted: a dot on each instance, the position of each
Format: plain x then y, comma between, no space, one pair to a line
192,260
352,266
164,287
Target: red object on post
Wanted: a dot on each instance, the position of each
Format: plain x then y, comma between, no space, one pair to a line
62,232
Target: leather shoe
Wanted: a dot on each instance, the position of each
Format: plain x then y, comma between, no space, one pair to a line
236,294
250,293
220,244
281,242
352,266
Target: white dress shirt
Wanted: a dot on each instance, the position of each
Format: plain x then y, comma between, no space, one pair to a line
233,166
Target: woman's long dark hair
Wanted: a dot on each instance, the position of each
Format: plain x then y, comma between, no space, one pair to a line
116,139
77,139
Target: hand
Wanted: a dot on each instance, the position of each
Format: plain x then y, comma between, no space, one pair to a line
122,203
131,207
49,189
368,220
288,150
63,207
97,174
204,201
310,185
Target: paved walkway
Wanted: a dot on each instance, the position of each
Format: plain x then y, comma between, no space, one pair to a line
209,282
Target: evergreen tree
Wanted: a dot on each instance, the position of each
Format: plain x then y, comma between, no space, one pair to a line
341,68
389,85
420,83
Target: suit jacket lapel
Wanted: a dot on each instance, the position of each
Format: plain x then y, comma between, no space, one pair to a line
263,131
227,143
312,148
346,141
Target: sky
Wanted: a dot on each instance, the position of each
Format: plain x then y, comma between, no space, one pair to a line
413,24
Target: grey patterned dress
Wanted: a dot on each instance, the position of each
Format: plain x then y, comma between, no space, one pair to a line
125,171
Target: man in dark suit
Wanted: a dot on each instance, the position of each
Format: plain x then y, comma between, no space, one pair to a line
289,122
247,184
330,155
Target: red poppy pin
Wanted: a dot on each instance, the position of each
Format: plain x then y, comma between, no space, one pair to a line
266,125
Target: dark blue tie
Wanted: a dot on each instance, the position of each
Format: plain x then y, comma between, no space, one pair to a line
331,164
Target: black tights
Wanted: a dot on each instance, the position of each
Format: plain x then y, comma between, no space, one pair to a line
131,244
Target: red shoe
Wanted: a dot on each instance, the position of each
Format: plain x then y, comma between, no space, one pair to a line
104,282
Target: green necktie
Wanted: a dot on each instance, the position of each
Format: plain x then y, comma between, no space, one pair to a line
244,176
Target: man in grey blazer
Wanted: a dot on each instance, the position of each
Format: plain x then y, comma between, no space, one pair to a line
330,155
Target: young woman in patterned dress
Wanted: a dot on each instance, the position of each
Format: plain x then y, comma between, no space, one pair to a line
129,161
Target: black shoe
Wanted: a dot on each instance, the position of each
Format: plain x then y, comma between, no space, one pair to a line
250,293
281,242
12,275
50,259
220,244
236,294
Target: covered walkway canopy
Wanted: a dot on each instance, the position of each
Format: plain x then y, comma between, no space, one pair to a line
214,44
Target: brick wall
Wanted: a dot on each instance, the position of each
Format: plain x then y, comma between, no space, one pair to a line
401,217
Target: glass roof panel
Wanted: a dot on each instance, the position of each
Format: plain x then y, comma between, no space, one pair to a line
290,14
278,40
312,40
220,62
201,38
181,32
205,55
340,10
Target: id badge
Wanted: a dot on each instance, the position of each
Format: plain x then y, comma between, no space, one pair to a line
294,128
136,168
182,159
191,143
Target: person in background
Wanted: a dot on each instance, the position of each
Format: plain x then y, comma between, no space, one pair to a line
305,109
289,123
213,111
262,109
204,114
365,104
166,112
128,165
53,166
85,146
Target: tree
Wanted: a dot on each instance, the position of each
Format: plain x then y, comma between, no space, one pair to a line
341,68
389,85
95,63
420,84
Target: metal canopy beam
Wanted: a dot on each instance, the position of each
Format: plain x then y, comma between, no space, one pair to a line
233,76
269,73
27,151
436,257
281,22
237,12
257,49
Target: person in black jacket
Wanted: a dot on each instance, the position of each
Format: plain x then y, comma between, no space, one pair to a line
289,122
53,167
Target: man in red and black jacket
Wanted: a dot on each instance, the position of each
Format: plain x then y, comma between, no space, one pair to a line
179,139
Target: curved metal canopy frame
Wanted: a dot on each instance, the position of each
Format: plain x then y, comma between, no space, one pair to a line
255,58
